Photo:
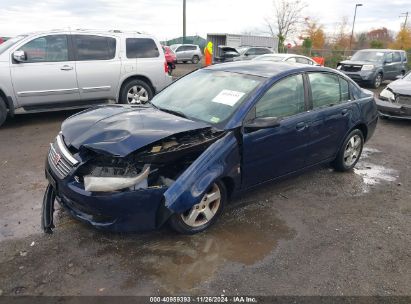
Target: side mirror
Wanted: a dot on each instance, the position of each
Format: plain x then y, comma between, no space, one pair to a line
261,123
19,56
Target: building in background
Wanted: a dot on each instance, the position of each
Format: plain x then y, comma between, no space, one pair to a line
197,40
236,41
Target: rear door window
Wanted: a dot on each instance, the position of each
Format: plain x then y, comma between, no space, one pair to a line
91,47
397,57
302,60
262,51
51,48
142,48
345,90
325,89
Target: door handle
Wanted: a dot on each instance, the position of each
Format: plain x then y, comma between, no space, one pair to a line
66,68
344,112
301,126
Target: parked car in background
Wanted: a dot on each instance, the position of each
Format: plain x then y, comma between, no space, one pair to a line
214,133
225,54
372,66
187,52
171,58
57,70
287,58
395,100
248,53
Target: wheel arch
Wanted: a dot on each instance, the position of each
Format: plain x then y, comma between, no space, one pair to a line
363,128
135,77
8,103
229,184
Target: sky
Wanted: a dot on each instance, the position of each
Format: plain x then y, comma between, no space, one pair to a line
163,18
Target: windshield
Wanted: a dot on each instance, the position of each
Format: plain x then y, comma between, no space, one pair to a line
371,56
174,47
206,95
407,76
269,58
9,43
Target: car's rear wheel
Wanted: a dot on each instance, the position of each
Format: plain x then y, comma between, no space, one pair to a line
3,111
377,81
350,151
202,215
195,59
136,91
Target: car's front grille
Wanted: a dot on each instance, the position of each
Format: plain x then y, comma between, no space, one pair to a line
60,158
351,68
404,100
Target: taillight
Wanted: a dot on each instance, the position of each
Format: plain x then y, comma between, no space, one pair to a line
165,67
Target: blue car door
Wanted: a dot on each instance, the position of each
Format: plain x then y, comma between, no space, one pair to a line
275,151
331,116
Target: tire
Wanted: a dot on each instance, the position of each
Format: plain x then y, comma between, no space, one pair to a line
3,111
195,219
135,91
195,59
376,83
350,151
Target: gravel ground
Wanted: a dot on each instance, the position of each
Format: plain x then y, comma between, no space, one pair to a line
321,233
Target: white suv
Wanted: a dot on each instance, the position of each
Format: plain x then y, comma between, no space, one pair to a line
57,70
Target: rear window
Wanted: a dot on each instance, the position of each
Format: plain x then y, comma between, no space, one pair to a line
141,48
90,47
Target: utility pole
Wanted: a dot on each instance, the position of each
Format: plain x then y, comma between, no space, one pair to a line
405,15
353,23
184,21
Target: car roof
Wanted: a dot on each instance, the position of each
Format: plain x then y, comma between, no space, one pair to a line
134,34
265,69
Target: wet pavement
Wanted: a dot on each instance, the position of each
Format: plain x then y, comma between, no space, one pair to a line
320,233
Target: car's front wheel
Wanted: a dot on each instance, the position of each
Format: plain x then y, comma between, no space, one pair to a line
202,215
136,91
377,81
350,151
195,59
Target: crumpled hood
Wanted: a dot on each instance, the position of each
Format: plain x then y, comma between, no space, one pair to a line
401,86
121,130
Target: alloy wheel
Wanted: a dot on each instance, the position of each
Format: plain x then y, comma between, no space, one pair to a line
352,150
137,95
378,81
204,212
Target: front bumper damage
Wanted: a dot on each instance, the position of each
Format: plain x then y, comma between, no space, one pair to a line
141,209
393,110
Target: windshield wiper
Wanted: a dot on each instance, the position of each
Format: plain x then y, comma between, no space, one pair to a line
174,112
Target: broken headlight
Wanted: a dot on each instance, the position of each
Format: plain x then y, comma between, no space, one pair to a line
387,95
106,183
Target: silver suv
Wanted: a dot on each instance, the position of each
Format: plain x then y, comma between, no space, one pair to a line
187,52
57,70
372,66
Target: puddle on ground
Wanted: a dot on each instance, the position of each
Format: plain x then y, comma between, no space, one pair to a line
373,174
243,236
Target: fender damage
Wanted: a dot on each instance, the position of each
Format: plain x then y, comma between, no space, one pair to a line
181,167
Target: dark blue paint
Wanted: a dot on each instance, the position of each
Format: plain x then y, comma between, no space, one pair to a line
222,158
299,142
120,130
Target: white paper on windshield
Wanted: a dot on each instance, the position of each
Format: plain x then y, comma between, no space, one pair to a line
228,97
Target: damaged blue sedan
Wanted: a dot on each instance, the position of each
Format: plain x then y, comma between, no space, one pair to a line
216,132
